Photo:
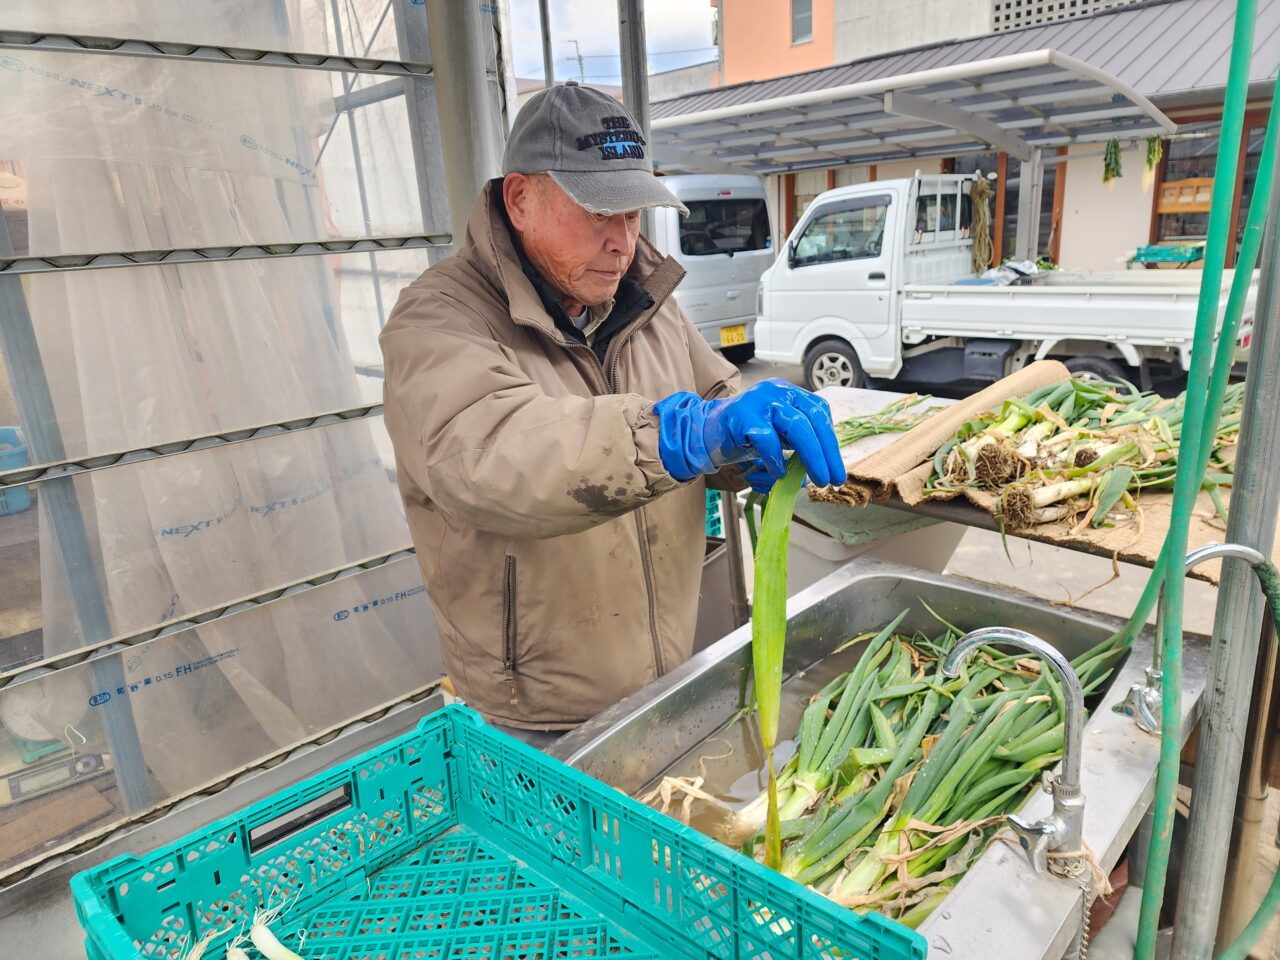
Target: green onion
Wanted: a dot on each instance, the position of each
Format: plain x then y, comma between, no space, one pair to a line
769,631
901,776
1078,448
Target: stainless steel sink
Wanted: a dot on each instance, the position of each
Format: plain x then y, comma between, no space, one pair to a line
1001,907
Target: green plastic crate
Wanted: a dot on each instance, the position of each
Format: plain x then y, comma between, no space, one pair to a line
455,840
1155,253
714,526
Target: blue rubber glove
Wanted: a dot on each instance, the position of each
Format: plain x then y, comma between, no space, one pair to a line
698,437
758,478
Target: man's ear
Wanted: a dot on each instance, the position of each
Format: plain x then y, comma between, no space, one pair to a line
517,193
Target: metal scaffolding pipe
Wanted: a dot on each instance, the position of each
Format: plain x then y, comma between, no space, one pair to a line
1255,495
548,64
635,76
737,574
60,507
468,129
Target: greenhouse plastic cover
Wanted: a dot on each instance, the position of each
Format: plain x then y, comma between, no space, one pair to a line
103,153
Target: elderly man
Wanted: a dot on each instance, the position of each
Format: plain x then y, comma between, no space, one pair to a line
554,414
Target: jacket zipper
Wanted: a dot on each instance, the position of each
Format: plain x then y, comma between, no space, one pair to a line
509,624
646,564
642,536
609,379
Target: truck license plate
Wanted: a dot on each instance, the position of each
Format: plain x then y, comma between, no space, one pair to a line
733,335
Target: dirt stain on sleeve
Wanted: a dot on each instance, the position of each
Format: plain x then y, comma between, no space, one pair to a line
595,497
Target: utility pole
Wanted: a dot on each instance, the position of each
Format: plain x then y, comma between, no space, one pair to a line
582,70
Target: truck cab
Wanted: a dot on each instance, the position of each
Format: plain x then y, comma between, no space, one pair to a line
724,245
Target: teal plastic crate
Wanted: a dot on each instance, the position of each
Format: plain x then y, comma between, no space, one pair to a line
714,527
12,456
455,840
1155,253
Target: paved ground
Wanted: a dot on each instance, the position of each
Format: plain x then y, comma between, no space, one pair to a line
753,371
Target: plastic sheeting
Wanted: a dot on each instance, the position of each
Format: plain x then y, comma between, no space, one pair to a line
119,153
104,153
213,699
191,533
144,356
298,26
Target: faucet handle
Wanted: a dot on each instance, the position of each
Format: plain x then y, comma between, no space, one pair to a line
1035,839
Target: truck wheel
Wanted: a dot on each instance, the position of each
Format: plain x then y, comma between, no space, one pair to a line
1094,369
832,363
739,354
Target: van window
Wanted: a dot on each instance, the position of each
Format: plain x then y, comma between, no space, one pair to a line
844,230
724,226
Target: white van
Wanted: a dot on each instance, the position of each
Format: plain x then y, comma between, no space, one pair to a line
725,244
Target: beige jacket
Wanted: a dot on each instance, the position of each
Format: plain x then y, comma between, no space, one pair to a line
562,560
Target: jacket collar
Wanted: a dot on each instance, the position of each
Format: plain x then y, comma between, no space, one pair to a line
489,240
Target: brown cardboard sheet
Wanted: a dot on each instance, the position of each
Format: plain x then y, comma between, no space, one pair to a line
897,473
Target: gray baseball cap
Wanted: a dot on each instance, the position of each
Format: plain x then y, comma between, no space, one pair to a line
592,148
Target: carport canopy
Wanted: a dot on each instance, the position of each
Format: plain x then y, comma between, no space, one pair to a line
1020,104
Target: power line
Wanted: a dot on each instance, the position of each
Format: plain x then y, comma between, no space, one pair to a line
649,53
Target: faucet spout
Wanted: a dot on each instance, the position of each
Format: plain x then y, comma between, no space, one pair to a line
1063,830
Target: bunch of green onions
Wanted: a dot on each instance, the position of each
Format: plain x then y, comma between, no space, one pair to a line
1078,449
897,417
901,775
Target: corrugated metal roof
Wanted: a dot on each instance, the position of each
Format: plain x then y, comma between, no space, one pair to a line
1173,51
1019,103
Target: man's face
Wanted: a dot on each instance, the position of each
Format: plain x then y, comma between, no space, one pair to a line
582,254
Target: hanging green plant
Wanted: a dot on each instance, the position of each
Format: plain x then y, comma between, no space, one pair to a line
1111,161
1155,150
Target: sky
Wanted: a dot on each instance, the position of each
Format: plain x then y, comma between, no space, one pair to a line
677,32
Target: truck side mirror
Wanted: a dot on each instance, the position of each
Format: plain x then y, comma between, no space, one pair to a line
791,254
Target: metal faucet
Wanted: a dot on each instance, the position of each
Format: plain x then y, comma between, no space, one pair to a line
1143,700
1063,829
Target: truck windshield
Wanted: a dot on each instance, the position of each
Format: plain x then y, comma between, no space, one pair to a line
724,226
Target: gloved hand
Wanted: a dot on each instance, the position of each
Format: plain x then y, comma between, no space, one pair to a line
758,478
697,437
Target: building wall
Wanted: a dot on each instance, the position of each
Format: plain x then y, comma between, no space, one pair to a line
900,169
1102,223
757,39
676,83
868,28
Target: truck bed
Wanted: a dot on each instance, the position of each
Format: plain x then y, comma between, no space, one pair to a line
1149,307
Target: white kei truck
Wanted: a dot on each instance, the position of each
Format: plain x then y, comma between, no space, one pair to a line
877,283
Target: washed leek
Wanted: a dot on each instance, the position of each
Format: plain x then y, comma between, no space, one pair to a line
769,631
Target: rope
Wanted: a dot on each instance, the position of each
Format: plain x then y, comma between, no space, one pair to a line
983,249
1083,867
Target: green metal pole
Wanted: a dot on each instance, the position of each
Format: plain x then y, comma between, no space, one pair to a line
1239,611
1187,482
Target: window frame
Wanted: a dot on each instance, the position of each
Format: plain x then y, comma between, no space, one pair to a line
760,206
807,37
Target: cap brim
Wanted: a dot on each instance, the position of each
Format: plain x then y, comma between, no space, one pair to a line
616,191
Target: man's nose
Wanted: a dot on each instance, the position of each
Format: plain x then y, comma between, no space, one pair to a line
618,239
